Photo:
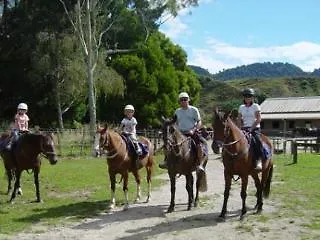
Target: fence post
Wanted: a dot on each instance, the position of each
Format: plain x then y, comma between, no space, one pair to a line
295,152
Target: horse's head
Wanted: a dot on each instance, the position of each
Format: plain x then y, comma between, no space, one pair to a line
47,147
173,139
103,139
218,128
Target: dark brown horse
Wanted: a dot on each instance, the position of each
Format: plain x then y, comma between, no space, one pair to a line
121,160
237,159
182,161
25,156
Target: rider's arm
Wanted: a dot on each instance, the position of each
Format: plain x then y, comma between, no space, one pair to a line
257,121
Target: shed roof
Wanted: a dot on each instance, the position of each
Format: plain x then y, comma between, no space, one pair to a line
291,108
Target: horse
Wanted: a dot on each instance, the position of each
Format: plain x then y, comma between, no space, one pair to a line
122,159
237,159
183,161
25,156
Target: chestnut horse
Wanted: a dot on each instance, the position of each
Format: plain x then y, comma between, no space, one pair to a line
237,159
182,161
25,155
121,160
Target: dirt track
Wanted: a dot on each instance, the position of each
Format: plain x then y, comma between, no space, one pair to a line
150,220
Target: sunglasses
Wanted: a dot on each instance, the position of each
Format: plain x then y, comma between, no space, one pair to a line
183,99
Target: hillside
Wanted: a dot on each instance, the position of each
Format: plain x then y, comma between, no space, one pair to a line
227,94
257,70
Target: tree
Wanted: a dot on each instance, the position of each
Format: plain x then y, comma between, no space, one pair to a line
93,19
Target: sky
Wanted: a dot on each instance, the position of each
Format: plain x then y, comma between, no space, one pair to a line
222,34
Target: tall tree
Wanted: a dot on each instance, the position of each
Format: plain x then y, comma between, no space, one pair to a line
93,19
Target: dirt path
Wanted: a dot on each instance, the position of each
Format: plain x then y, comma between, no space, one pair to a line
150,220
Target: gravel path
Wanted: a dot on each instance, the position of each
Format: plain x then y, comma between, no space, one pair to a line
150,220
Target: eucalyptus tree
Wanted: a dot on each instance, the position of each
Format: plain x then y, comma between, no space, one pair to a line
93,20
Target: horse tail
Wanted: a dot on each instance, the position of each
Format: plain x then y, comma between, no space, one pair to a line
266,189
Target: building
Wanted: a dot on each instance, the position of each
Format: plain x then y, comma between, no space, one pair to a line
290,113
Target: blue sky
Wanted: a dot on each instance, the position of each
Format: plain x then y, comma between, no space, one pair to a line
222,34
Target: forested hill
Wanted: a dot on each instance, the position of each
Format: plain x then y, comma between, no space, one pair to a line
258,70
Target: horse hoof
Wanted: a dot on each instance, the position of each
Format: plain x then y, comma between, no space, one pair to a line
20,192
126,207
148,199
111,206
170,210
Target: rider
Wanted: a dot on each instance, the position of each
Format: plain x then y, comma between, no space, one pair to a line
21,124
249,120
128,127
188,120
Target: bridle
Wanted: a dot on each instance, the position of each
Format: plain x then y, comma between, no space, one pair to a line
172,143
45,153
226,145
105,145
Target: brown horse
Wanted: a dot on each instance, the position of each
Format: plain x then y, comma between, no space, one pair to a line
182,161
25,156
237,159
121,160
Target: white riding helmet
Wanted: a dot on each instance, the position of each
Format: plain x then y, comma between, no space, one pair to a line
184,95
23,106
129,107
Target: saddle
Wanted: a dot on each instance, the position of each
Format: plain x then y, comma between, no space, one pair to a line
131,148
265,150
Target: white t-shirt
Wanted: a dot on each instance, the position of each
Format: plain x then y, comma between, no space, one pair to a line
248,114
129,125
187,118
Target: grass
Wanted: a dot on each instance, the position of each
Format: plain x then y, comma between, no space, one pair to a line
298,187
73,189
78,188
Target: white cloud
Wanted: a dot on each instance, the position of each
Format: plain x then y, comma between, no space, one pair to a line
218,55
174,28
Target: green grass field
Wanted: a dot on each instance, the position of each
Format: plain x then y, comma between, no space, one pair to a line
72,189
78,188
298,188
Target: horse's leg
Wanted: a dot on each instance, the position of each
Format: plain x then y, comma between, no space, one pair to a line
189,187
173,192
227,187
243,194
112,177
196,200
36,183
10,178
137,178
149,173
125,190
16,185
258,185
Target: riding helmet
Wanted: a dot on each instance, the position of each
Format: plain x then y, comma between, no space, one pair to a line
183,95
22,106
248,92
129,107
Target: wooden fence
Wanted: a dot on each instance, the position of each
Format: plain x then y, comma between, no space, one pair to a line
78,142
